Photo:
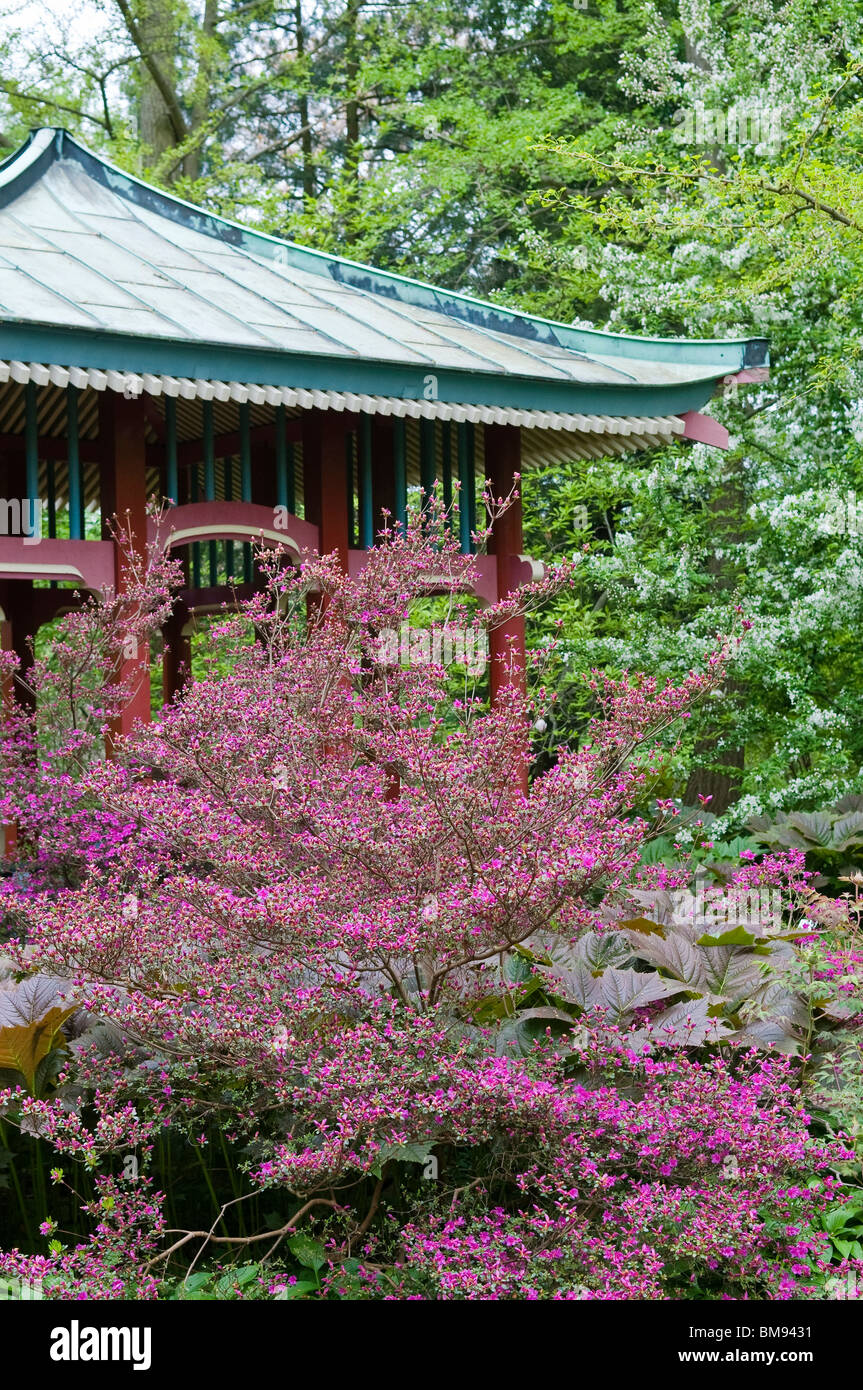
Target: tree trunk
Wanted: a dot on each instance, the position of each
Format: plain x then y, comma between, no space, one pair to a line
192,162
352,115
309,189
159,37
722,782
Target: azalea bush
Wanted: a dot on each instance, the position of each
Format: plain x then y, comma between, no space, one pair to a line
311,921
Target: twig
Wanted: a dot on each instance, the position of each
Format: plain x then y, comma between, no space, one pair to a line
208,1236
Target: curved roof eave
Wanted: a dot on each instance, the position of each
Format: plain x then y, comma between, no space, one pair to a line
629,374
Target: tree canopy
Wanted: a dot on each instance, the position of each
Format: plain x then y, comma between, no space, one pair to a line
681,168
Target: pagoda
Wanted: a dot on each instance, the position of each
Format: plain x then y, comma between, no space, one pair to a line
151,349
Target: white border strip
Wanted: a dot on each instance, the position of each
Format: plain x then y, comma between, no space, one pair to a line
134,384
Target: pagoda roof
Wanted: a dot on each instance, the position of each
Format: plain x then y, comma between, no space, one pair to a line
100,270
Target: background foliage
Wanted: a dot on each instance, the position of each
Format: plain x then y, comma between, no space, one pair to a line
536,153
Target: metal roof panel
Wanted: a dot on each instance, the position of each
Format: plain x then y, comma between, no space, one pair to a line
24,298
140,239
128,258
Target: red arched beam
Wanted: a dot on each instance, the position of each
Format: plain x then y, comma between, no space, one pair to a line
231,521
90,563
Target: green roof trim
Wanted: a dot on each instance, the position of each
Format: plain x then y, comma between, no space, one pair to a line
212,361
153,283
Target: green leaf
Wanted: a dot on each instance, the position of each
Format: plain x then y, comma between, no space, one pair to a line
296,1290
401,1153
644,925
516,970
504,1005
24,1046
848,1249
738,936
837,1218
309,1252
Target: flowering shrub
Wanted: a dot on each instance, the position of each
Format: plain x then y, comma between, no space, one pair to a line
287,918
112,1264
667,1178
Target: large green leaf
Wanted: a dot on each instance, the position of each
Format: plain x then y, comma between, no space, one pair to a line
309,1252
675,954
401,1153
848,831
643,925
24,1046
298,1290
737,936
503,1005
687,1024
625,990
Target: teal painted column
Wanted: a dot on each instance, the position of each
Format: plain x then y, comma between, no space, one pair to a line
446,464
245,453
246,479
400,470
172,479
76,489
210,479
465,479
364,460
428,462
31,442
281,459
290,481
349,487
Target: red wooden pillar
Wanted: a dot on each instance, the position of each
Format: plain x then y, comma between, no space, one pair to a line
324,485
506,643
7,696
383,473
177,656
124,495
17,625
264,474
21,623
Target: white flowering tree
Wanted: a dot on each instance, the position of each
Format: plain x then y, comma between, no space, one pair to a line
730,204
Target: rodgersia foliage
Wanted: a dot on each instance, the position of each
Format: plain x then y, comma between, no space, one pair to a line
286,915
